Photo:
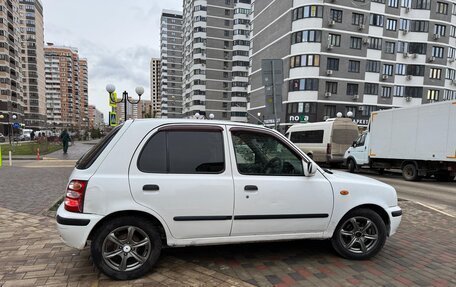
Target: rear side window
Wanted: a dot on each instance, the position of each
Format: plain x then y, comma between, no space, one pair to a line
183,152
89,158
307,136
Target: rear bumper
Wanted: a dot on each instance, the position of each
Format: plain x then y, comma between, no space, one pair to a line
395,215
74,228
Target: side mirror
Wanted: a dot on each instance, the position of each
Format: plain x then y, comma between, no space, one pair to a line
310,168
354,144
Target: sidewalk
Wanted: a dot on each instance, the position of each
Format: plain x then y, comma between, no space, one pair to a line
33,255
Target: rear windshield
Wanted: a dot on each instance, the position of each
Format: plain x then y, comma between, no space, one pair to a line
89,157
344,136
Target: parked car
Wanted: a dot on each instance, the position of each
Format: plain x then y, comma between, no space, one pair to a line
161,182
324,142
2,138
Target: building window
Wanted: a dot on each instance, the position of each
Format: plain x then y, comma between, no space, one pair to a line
390,47
440,30
336,15
421,4
435,73
388,69
331,87
404,24
334,40
303,85
393,3
227,12
398,91
352,89
437,51
391,24
376,20
312,11
414,92
357,19
442,8
415,70
450,74
333,64
400,69
305,61
433,95
417,48
371,89
419,26
355,43
449,95
368,110
353,66
375,43
306,36
386,92
330,111
373,66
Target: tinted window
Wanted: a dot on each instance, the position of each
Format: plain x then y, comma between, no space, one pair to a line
262,154
183,152
307,136
153,156
89,158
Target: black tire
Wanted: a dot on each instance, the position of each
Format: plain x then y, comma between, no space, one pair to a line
351,165
410,172
102,246
341,240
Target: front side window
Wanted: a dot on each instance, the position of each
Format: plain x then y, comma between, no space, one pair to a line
183,152
263,154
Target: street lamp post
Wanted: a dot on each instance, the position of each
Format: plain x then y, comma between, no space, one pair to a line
110,88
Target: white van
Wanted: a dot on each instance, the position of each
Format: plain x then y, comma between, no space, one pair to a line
324,142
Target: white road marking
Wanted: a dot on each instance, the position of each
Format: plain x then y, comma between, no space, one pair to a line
435,209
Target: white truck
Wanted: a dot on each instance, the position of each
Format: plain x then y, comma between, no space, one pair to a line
420,140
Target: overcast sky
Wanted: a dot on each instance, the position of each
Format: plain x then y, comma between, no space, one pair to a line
118,38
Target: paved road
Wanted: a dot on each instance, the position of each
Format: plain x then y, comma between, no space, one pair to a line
440,195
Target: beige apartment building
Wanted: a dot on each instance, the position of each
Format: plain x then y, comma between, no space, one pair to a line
11,97
66,87
155,88
32,62
96,119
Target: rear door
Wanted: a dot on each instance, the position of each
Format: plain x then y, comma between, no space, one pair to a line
183,174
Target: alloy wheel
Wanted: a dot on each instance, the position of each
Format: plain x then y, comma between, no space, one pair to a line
359,235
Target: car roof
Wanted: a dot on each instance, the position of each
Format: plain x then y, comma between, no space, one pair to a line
158,122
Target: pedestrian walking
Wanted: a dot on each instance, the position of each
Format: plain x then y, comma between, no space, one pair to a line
65,138
32,135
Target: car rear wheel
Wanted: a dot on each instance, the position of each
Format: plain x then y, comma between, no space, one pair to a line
360,235
126,247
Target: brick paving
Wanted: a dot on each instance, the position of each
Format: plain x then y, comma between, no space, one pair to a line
32,254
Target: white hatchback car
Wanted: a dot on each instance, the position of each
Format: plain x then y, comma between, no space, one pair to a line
155,183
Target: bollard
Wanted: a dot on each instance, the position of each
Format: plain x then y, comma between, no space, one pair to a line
38,153
10,159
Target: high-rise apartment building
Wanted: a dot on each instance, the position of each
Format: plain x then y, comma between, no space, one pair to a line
171,64
11,97
66,87
216,58
96,119
155,88
358,56
134,109
32,52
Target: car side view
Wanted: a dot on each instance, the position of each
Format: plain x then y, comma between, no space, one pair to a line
160,183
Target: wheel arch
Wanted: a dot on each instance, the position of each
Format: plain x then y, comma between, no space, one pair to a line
135,213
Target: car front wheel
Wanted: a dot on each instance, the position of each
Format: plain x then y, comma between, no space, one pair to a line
126,248
360,234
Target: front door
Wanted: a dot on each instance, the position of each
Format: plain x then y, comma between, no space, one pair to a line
359,151
272,195
183,174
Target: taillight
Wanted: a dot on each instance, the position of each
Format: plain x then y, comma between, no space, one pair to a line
74,199
328,149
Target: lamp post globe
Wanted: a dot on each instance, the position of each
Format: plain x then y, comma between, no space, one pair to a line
197,115
339,114
14,117
2,117
350,114
110,88
211,116
139,91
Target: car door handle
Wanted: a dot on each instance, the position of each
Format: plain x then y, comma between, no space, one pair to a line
151,187
251,188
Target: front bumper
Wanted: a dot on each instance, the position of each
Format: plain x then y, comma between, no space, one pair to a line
74,228
395,215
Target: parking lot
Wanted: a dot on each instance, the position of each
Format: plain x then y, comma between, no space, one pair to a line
422,253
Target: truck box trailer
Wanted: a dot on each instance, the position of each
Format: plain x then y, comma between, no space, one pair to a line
419,140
